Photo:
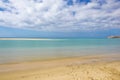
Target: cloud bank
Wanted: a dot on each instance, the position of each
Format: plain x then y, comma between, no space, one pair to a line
60,15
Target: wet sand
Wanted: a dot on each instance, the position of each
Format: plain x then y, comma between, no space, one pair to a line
102,67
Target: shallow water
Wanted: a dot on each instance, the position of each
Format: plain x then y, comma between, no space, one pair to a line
23,50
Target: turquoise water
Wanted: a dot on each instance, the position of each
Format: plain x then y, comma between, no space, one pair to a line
21,50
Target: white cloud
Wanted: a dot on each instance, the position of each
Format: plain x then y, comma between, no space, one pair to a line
56,15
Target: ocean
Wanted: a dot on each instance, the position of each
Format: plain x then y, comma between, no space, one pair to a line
26,50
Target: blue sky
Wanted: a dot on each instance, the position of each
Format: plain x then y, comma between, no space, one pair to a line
59,18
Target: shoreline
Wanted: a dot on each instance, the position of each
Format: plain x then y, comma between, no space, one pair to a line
73,68
24,39
40,59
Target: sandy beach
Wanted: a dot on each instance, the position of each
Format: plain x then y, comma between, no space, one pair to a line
24,39
74,68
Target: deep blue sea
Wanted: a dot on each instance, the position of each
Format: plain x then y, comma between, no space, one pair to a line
25,50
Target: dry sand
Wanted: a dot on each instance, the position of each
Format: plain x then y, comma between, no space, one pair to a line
74,68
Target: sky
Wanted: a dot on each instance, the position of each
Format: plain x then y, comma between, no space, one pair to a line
59,18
